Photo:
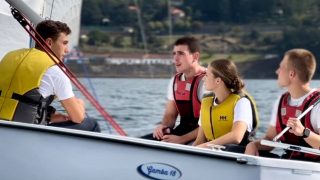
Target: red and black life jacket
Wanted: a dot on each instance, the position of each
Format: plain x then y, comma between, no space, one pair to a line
285,111
185,95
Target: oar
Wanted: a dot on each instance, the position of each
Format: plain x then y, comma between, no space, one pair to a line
299,117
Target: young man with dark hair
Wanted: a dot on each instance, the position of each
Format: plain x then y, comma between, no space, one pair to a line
184,94
28,99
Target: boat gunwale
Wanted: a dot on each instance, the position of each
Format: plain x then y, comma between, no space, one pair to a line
236,157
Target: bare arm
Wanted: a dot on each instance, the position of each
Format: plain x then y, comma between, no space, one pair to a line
235,136
181,139
313,140
75,109
254,147
168,120
190,136
297,128
200,137
170,114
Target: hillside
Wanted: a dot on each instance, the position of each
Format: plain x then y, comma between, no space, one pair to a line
251,33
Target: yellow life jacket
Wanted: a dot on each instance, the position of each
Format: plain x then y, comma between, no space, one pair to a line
217,121
21,72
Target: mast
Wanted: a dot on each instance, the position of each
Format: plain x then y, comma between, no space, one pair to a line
142,32
27,11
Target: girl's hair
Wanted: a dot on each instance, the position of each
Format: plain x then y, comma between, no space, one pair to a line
227,71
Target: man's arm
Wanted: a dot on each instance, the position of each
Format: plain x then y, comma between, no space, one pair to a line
190,136
297,128
181,139
254,147
313,140
170,114
168,120
75,109
55,82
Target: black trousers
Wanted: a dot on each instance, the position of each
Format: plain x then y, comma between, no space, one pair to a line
86,125
179,131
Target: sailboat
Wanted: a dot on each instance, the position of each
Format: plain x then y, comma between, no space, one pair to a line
30,151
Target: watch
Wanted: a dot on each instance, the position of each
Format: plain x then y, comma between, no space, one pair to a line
306,133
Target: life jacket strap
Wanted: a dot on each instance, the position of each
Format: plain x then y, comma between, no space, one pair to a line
25,99
46,110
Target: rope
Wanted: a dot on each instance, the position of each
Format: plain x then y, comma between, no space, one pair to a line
51,8
85,69
143,34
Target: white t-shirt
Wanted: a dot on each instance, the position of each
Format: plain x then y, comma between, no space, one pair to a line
315,118
55,82
242,113
201,89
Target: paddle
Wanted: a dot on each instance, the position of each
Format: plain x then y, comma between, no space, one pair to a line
290,147
299,117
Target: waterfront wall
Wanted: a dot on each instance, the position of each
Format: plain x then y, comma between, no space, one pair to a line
260,69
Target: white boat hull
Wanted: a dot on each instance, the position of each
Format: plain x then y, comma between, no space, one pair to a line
38,152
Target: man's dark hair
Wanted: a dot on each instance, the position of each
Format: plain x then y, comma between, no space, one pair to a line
192,43
52,29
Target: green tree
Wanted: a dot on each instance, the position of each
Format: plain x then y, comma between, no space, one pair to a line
307,38
91,12
97,37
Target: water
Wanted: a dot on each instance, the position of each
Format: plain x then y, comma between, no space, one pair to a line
138,104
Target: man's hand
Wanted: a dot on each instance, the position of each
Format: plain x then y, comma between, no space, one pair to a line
295,126
58,117
159,131
172,139
252,149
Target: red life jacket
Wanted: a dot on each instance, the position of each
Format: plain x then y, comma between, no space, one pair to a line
185,94
285,111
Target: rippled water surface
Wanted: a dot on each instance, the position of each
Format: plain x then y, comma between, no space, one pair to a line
138,104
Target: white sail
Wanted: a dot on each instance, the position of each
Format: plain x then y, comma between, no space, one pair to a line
66,11
13,36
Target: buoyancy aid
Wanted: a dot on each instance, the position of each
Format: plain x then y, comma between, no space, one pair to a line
217,121
285,111
21,72
185,95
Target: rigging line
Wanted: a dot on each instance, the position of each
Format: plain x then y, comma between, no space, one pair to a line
170,31
169,22
142,32
29,28
91,86
31,41
51,8
42,13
